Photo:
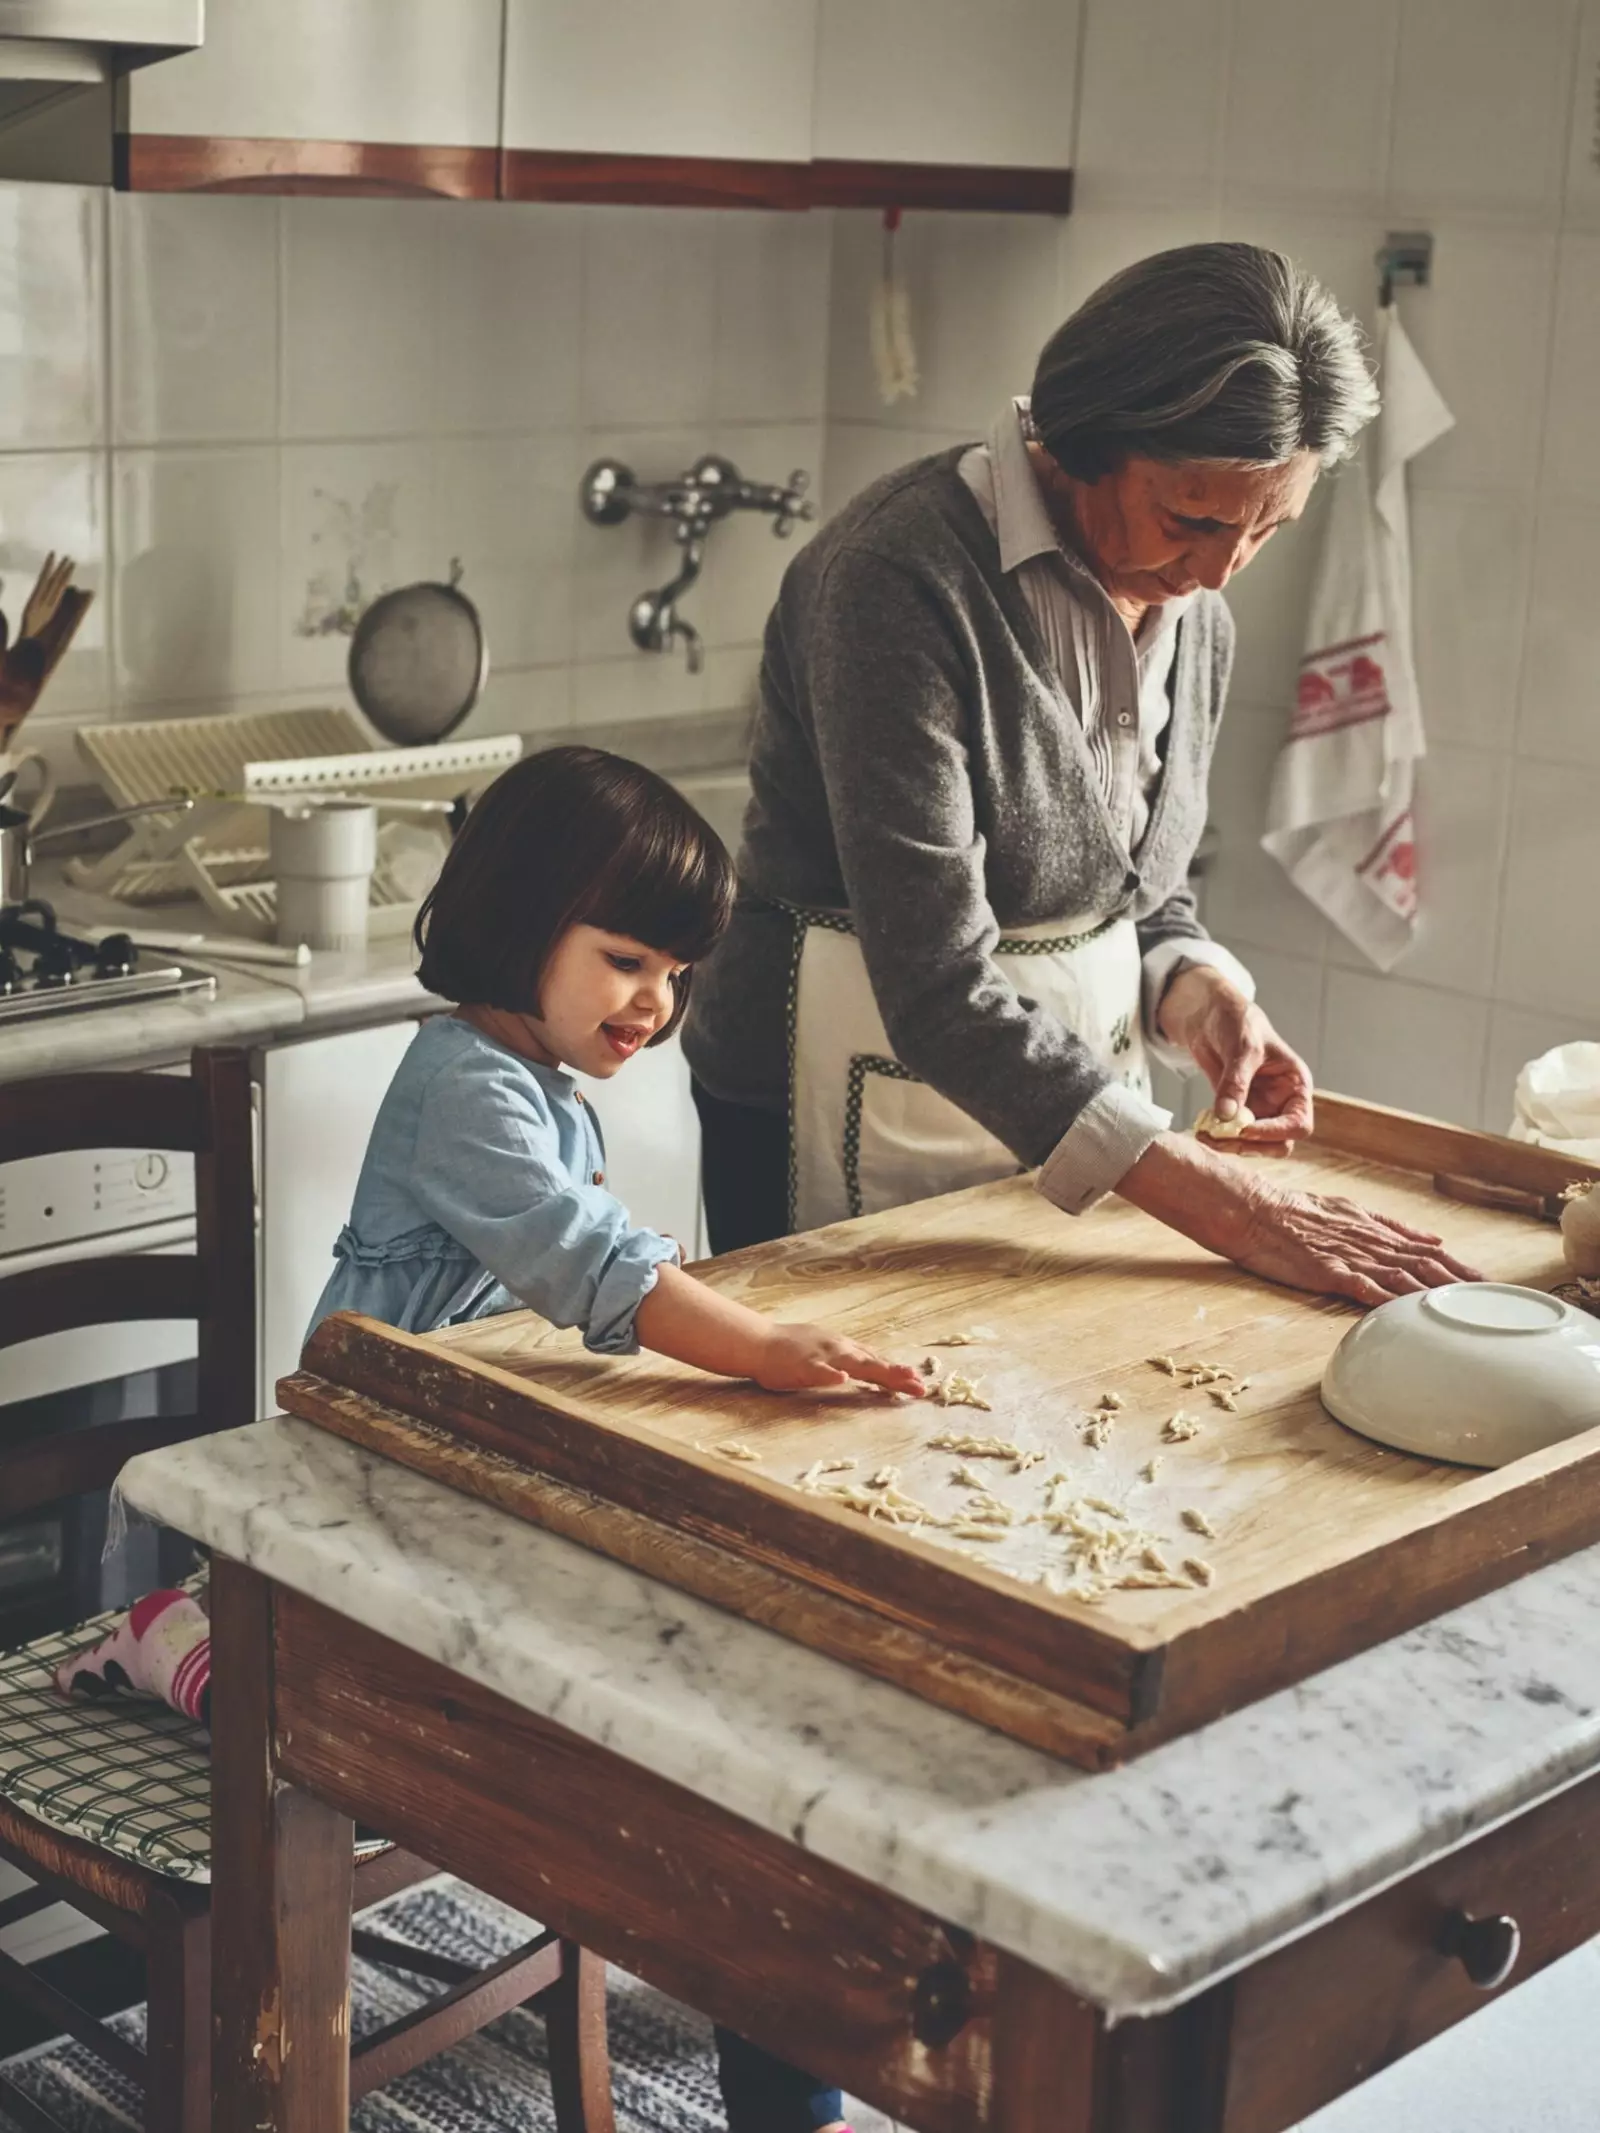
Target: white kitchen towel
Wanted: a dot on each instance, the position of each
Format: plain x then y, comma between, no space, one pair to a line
1340,817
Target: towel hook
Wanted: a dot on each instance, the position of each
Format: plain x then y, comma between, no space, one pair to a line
1404,261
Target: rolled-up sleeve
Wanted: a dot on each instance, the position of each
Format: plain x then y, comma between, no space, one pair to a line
488,1169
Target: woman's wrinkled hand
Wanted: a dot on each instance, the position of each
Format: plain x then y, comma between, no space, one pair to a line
811,1359
1306,1240
1317,1241
1242,1056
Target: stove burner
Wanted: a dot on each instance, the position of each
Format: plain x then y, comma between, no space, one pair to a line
45,969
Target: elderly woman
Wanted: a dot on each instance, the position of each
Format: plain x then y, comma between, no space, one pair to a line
989,699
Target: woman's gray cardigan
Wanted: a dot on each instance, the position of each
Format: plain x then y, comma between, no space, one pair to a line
916,762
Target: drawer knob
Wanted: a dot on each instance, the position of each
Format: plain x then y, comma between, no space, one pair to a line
1487,1948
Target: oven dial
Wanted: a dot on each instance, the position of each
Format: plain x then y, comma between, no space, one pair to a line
150,1171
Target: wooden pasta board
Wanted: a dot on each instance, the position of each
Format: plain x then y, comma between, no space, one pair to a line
1325,1544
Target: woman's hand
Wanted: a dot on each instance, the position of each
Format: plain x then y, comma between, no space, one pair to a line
811,1359
1241,1055
1306,1240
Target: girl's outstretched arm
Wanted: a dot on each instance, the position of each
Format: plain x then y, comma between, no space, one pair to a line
682,1318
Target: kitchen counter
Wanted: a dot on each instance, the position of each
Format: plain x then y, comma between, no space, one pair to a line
1137,1888
255,1003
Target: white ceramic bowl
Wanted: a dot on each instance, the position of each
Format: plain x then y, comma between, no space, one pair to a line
1479,1372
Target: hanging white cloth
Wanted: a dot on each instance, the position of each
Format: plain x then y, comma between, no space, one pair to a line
1340,817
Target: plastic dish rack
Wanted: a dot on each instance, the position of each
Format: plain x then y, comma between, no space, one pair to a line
219,849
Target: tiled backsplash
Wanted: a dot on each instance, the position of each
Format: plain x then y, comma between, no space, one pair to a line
1314,129
244,415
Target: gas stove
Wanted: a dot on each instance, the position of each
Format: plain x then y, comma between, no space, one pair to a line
46,970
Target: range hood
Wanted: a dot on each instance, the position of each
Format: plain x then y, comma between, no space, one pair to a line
60,61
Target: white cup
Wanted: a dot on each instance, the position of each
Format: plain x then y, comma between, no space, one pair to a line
322,858
36,807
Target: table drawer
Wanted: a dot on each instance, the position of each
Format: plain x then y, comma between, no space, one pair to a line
1332,2009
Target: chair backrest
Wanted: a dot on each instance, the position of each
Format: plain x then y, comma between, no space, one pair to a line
208,1114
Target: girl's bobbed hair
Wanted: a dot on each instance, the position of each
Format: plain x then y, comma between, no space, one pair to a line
569,837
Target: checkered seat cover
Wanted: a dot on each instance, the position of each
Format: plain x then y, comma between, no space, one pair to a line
122,1772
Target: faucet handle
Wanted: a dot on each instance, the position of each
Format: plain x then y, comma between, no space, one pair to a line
793,504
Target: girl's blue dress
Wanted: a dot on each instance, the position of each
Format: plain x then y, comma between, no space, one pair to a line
483,1190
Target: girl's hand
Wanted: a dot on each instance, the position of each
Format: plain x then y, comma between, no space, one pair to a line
811,1359
1242,1056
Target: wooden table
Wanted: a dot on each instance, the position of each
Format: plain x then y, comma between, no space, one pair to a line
321,1717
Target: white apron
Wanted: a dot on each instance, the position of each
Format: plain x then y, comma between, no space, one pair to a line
864,1132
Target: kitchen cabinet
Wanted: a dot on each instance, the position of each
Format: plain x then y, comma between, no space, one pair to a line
944,82
699,78
754,103
287,95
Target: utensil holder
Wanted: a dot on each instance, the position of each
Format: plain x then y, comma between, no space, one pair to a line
323,858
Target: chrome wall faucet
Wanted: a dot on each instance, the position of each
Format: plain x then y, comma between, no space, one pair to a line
711,489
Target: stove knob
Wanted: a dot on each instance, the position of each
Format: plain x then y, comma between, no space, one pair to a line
116,957
53,966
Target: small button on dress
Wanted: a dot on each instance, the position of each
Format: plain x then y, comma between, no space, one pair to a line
598,1178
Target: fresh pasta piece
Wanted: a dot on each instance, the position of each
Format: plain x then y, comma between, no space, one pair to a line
1224,1129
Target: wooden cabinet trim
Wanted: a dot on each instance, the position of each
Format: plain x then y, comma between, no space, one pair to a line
205,163
210,163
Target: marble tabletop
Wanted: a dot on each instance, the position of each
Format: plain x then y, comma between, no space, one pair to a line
1138,1887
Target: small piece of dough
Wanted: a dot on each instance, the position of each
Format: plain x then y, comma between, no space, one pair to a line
740,1453
1224,1129
1179,1428
1197,1522
969,1339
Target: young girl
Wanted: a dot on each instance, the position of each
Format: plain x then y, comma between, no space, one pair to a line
566,918
579,892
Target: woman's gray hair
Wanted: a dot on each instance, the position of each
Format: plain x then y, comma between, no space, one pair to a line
1212,351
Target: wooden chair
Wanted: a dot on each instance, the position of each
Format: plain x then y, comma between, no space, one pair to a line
105,1806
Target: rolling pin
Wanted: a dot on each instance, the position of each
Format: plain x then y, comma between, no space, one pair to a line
1514,1199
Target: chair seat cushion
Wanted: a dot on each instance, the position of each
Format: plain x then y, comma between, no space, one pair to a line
125,1773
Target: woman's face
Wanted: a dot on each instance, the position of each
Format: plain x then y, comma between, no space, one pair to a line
1153,531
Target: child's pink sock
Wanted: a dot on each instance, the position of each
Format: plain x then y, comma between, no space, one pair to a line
161,1646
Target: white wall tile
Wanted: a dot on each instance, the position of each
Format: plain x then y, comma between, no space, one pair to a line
1289,989
1470,563
1308,100
984,296
1549,940
532,700
1150,109
771,356
1515,1036
357,519
942,81
52,299
1572,431
1560,716
1463,805
1250,901
1396,1043
360,318
196,547
1483,330
508,508
194,319
856,454
1480,112
56,501
1581,206
649,316
637,685
509,281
